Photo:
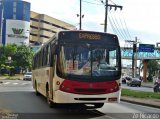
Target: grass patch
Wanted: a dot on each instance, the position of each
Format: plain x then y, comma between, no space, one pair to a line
140,94
12,78
16,77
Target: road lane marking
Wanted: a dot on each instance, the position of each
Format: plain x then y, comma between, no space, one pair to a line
15,83
25,83
7,83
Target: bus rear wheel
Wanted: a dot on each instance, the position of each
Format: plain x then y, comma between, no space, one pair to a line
37,93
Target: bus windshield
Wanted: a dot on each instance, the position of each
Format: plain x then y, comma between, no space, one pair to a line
88,61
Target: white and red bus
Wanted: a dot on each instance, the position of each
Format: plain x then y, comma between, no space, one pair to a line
81,67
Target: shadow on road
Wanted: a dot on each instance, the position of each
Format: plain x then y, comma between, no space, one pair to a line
29,106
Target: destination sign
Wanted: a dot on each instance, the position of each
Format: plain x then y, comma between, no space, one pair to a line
146,48
89,36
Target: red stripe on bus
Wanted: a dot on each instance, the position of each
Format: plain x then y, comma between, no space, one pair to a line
89,88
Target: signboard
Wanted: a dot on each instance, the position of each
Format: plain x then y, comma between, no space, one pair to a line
146,48
17,31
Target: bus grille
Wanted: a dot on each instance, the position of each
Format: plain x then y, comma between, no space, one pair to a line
90,99
90,91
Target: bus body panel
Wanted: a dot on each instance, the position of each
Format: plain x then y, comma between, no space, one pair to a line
43,76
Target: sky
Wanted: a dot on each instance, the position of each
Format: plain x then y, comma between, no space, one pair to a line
138,18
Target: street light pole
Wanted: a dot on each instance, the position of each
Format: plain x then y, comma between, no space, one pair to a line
9,61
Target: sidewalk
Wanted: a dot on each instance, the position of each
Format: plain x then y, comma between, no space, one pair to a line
146,102
147,84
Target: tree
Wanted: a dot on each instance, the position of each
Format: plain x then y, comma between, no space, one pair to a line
23,56
2,55
152,67
6,51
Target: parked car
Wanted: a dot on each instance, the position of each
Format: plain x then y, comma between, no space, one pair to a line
133,82
27,76
124,78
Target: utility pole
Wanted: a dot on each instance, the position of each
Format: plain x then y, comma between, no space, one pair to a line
134,56
80,14
106,12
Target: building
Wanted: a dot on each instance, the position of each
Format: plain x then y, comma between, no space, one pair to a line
19,25
15,21
43,27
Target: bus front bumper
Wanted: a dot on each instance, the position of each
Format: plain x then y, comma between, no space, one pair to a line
64,97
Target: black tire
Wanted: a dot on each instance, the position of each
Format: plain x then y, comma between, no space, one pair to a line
49,102
36,90
155,90
98,105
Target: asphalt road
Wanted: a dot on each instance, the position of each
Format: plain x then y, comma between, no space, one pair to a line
19,97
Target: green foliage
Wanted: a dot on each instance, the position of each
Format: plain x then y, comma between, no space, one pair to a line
140,94
21,57
10,50
152,66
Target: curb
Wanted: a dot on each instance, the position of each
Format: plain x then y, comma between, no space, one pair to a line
141,103
147,86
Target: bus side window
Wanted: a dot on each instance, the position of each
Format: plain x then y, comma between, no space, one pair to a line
52,55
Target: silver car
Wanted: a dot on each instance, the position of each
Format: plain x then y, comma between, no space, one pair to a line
133,82
27,76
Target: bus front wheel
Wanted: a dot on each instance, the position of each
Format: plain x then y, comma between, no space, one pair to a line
98,105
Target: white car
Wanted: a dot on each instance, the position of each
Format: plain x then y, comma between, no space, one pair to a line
27,76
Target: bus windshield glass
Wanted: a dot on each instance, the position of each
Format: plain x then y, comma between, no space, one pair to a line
88,61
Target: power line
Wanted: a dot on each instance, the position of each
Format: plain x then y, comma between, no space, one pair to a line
112,2
106,11
91,2
118,26
111,20
126,26
116,23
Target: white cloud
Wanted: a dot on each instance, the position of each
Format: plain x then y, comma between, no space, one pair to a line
141,16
